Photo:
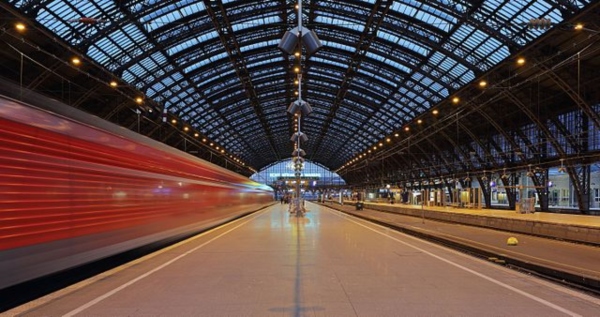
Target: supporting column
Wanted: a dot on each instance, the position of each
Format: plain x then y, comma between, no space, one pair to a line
510,181
580,177
484,184
539,176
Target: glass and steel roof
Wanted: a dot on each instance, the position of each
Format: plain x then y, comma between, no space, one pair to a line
216,65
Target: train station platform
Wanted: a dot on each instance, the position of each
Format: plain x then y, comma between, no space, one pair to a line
568,227
327,263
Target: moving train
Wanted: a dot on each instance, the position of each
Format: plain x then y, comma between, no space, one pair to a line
75,188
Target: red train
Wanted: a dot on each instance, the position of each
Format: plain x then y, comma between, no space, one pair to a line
74,189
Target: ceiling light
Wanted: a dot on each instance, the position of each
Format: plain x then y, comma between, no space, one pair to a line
520,60
289,42
20,26
483,84
76,61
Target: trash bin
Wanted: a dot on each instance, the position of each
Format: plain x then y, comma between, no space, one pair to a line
359,206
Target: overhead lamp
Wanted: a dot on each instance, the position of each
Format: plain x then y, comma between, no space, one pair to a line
289,41
504,175
298,151
299,135
539,24
455,100
530,172
113,84
520,60
562,168
20,27
76,61
300,106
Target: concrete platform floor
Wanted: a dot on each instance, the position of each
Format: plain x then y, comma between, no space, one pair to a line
325,264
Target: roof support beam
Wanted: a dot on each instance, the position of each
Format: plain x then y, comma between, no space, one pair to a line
227,36
379,11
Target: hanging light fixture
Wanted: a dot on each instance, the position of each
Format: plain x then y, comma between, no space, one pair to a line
529,172
562,168
504,175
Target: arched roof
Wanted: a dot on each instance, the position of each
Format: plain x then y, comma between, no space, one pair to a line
215,64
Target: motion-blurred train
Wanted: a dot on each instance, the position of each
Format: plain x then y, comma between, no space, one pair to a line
75,189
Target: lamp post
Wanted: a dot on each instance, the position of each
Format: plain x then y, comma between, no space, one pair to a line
291,41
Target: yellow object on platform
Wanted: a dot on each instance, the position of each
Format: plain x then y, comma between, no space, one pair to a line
512,241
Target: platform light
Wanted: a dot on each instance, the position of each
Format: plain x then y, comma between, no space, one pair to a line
578,26
196,134
483,84
298,151
406,129
521,61
380,144
299,135
114,84
173,121
289,42
20,26
435,112
396,134
139,100
539,24
388,140
76,61
300,106
186,129
455,100
419,121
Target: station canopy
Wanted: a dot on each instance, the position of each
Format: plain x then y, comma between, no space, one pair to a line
215,64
